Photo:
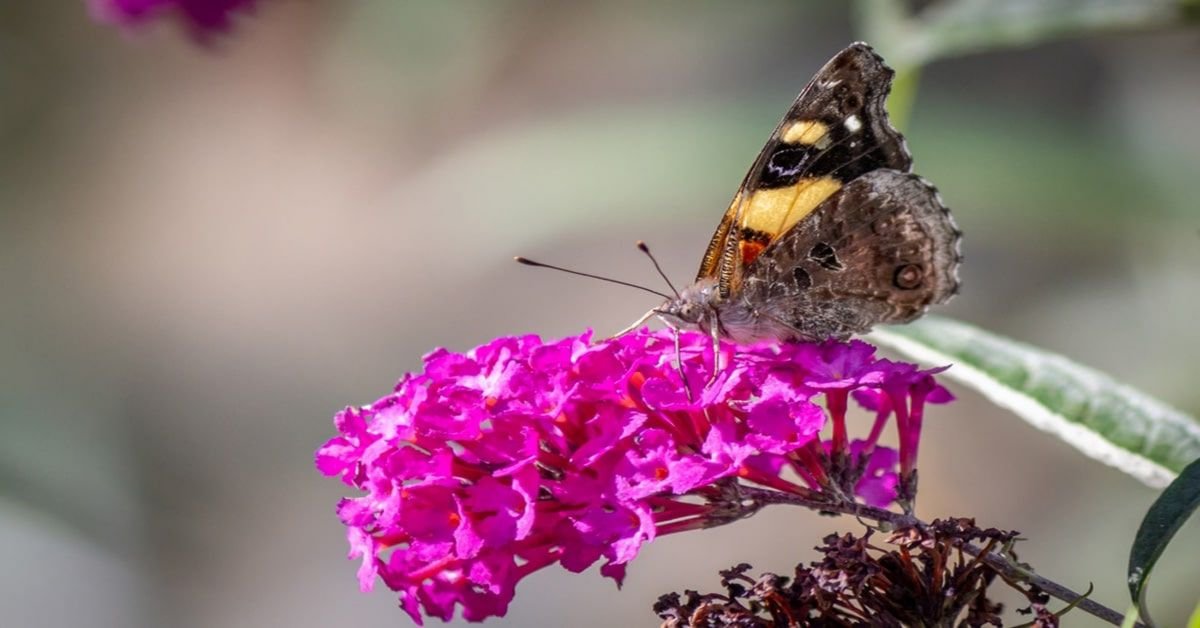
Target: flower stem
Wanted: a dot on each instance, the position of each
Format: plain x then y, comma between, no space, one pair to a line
1003,564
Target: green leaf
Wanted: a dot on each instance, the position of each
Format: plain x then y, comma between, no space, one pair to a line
1166,515
1099,416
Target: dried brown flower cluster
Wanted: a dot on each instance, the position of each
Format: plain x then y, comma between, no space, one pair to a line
920,577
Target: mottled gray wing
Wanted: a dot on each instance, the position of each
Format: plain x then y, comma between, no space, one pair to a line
880,250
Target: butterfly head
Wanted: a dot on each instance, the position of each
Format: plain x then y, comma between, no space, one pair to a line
694,307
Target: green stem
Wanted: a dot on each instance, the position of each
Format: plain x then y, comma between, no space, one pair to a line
904,96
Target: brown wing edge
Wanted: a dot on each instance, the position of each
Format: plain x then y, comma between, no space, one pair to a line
952,252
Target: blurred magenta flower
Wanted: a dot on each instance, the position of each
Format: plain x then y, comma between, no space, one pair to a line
520,453
202,17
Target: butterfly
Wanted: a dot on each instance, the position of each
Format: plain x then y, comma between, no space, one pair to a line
829,233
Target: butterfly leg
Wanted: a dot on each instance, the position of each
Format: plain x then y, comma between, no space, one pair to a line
679,366
638,323
714,330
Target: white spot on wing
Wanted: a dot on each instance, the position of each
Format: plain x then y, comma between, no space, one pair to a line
852,124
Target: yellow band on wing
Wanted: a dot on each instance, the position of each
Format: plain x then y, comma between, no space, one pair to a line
806,132
774,211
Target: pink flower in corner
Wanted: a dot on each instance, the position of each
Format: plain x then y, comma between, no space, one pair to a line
202,17
520,454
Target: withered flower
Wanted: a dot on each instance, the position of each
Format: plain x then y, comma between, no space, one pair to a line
916,577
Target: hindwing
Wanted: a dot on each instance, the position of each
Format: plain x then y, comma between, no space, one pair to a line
880,250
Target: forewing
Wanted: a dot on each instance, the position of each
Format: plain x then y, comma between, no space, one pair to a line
880,250
835,131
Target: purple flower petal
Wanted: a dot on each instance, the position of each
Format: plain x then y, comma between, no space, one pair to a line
202,17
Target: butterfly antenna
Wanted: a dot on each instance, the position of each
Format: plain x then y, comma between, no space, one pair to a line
528,262
646,249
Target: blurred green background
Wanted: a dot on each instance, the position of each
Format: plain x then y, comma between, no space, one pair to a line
204,253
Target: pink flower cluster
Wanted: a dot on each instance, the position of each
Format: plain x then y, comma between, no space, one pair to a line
203,17
520,453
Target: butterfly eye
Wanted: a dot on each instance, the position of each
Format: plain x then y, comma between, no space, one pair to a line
908,277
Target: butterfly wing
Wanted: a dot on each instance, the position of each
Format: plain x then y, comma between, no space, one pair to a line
882,249
835,131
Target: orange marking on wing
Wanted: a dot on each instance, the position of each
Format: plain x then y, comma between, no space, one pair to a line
750,251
